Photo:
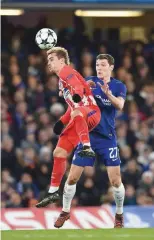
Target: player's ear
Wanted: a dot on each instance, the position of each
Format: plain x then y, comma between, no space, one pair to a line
62,60
112,67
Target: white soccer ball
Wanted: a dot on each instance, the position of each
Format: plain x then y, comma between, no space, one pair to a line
46,38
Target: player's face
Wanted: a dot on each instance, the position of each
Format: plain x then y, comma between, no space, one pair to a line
103,68
54,64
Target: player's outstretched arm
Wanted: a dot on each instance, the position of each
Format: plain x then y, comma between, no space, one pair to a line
60,124
58,127
66,117
117,102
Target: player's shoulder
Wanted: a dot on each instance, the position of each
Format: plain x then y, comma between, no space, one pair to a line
66,72
93,78
117,81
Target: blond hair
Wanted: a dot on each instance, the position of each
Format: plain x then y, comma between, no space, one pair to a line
61,53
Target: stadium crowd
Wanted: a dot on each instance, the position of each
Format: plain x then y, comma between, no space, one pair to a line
30,105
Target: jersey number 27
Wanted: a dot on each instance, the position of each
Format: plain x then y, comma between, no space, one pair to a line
114,152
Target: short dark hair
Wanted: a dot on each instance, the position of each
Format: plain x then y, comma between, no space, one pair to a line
108,57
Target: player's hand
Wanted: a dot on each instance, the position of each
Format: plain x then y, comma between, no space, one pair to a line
91,83
76,98
105,88
58,127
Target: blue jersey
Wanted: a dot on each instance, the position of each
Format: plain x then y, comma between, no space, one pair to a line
103,137
106,127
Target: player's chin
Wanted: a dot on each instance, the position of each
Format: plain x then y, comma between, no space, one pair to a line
51,70
100,76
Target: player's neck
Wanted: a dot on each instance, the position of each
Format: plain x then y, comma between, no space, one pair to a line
60,69
106,79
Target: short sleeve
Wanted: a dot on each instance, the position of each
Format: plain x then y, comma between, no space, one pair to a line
121,90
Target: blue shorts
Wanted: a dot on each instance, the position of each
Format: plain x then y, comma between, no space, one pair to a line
106,151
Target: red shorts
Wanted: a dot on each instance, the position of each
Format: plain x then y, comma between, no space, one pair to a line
69,139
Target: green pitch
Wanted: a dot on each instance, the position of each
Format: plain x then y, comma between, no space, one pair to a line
94,234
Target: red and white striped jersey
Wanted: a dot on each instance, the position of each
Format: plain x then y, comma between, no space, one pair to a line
70,83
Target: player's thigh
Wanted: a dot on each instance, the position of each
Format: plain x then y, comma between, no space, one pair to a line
110,155
65,144
74,174
60,152
92,115
114,175
70,136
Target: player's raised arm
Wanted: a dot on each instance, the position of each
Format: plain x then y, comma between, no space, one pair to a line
66,116
59,125
117,101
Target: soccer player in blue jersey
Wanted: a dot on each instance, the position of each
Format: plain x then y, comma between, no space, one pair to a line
110,95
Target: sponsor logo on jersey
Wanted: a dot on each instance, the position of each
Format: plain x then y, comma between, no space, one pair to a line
104,100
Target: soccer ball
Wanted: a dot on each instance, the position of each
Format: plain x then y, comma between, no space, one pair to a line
46,38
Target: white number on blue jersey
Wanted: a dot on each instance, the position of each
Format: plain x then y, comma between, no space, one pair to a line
113,152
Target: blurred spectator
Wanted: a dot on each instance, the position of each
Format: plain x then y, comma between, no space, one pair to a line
25,184
8,154
5,129
7,178
15,201
143,199
108,197
127,63
57,110
43,173
87,71
89,193
17,82
147,180
14,69
26,157
30,142
19,96
130,197
131,173
121,73
122,134
45,154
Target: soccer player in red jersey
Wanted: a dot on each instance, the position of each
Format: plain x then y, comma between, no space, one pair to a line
81,117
